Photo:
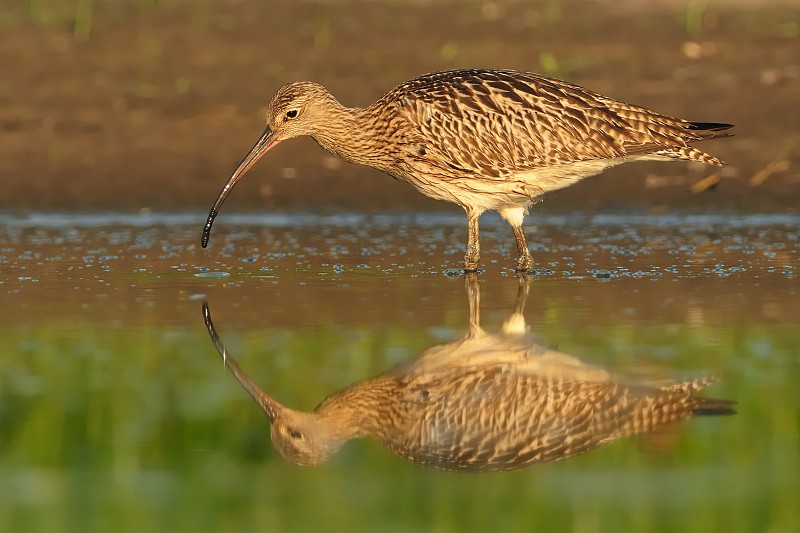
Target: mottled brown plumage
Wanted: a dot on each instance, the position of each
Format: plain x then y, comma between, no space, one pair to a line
487,140
489,402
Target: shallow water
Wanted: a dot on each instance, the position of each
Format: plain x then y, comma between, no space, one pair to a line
116,413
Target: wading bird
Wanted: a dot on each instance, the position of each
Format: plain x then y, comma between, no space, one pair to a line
489,402
487,140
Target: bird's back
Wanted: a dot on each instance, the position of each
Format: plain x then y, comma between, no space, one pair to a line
499,123
493,419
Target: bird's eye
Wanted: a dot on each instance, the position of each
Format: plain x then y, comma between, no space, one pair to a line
292,113
295,434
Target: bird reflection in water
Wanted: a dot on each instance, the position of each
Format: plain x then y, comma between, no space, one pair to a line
488,402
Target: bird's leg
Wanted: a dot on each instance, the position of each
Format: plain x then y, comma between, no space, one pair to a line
515,216
522,293
473,242
474,296
515,324
525,261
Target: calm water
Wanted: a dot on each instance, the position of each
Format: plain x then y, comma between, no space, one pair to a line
116,413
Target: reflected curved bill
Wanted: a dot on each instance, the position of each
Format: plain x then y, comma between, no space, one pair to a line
488,402
269,406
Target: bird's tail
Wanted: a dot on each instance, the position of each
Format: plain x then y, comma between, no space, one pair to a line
709,130
699,405
688,153
711,406
686,133
698,131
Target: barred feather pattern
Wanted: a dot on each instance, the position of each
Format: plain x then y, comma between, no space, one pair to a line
487,402
494,139
497,418
487,140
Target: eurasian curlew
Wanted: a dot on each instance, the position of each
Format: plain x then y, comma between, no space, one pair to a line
487,140
489,402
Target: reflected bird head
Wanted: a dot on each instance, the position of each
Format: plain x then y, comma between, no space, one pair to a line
303,439
300,438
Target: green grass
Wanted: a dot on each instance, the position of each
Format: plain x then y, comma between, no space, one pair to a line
139,428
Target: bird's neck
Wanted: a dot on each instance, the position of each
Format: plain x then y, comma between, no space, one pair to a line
349,133
357,411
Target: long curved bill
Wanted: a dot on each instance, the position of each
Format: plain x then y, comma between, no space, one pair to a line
264,143
268,405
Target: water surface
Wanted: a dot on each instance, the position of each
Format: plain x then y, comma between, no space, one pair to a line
117,414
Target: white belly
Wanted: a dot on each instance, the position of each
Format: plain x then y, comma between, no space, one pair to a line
517,190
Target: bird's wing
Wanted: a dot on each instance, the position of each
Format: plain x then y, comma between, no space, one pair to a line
498,420
496,123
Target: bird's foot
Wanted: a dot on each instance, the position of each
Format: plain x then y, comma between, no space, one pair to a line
470,264
524,264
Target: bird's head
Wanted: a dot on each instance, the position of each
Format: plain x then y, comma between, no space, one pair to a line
297,109
304,439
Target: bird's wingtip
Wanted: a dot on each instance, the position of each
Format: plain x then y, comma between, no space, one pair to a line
710,126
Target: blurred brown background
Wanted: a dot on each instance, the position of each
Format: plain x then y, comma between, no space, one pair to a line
149,104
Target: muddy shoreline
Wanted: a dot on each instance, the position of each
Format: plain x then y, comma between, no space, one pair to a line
154,105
